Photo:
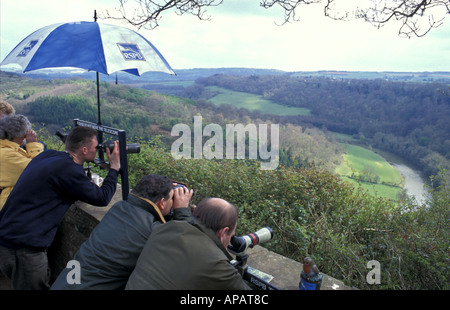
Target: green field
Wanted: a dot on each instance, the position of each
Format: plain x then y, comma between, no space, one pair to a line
253,102
368,169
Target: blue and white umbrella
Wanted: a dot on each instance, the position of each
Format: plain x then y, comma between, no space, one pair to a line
88,45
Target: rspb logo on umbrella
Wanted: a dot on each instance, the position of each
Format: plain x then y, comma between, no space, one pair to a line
130,51
27,48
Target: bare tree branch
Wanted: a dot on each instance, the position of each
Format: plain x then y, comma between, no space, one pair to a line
289,7
416,17
148,13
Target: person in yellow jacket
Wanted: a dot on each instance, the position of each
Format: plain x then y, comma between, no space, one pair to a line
15,129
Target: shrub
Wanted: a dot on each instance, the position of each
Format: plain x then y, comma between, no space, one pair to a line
314,213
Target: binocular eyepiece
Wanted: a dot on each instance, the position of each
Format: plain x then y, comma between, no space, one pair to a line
175,187
239,244
132,148
179,185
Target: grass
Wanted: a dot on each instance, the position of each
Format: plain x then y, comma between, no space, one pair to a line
358,159
253,102
379,190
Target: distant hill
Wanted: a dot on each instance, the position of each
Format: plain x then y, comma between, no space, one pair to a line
384,75
125,78
195,73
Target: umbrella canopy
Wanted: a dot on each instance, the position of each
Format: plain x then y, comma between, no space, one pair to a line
92,46
88,45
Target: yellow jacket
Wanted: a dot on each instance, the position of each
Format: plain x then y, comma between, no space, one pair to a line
13,159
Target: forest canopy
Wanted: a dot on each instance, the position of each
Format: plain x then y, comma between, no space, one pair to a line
407,118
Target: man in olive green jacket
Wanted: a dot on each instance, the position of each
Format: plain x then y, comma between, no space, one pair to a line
192,255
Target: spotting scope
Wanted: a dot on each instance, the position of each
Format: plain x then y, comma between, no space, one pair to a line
239,244
132,148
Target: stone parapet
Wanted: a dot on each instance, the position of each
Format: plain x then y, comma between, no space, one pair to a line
285,272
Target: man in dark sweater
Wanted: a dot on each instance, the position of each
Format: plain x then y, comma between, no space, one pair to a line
46,189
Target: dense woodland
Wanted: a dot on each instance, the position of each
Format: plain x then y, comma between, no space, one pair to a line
312,211
409,119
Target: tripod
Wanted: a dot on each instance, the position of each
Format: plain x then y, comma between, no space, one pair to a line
249,275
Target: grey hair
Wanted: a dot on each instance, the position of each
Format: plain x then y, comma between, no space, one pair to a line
13,126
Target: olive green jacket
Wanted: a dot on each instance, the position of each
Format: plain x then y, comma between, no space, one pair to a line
185,256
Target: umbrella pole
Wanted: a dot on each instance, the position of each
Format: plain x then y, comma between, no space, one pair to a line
98,100
99,133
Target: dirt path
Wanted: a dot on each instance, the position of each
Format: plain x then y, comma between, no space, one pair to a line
56,91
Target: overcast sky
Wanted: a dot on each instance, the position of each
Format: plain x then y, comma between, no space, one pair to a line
242,34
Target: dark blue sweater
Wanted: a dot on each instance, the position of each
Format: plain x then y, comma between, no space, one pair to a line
46,189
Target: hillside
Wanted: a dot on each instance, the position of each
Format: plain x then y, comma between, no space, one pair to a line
144,114
147,113
312,211
409,119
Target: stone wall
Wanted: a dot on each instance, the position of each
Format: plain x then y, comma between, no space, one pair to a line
79,221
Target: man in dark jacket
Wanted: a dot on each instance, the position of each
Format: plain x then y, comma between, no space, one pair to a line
45,190
108,257
191,256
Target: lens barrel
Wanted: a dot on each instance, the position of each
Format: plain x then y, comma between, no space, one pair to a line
263,235
239,244
132,148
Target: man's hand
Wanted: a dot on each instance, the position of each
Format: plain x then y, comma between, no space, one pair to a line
114,157
181,197
30,136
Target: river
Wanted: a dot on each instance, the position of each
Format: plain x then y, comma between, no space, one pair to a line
414,184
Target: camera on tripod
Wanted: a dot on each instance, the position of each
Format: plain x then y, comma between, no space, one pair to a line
239,245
